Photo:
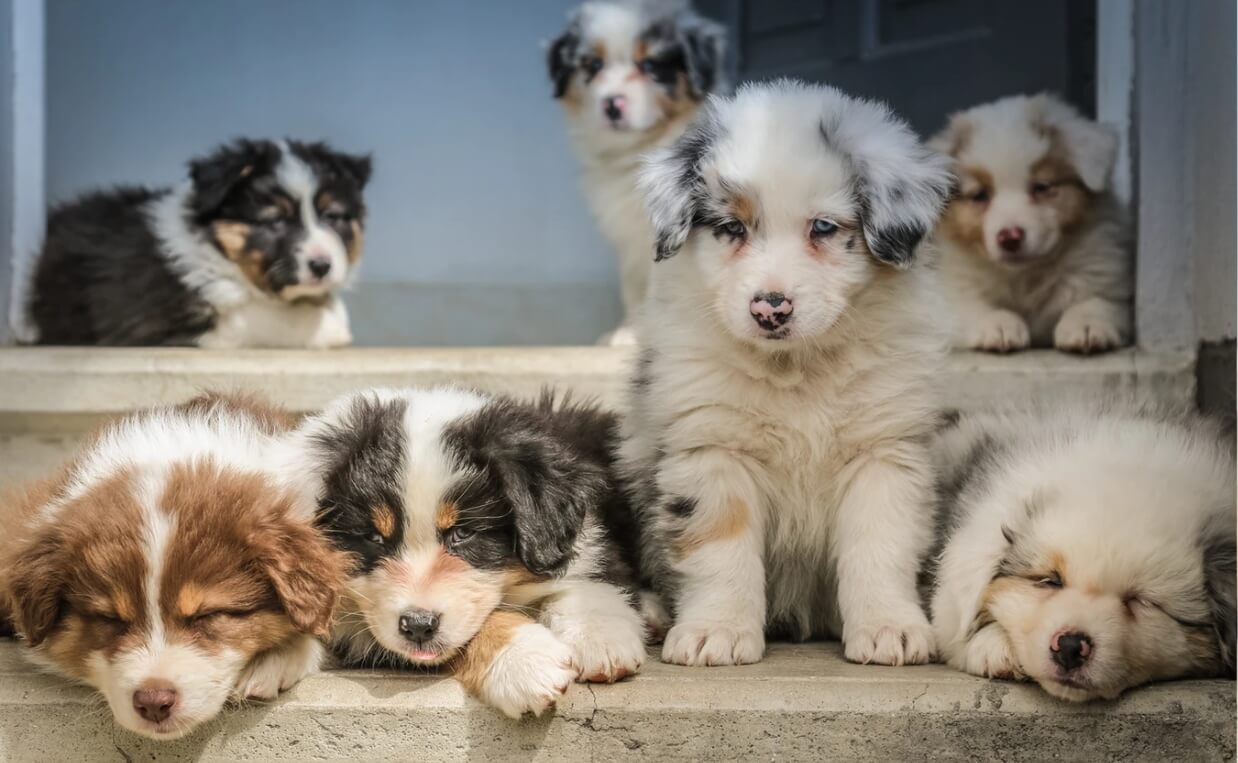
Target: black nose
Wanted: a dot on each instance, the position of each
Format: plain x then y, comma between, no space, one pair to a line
1071,650
611,108
770,309
418,624
319,267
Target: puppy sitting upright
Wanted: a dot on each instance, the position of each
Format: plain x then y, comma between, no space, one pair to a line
1034,249
630,75
249,253
782,401
462,513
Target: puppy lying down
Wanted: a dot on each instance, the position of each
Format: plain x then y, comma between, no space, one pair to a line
1089,548
486,535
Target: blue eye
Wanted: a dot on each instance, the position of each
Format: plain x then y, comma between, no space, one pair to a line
648,66
823,228
732,229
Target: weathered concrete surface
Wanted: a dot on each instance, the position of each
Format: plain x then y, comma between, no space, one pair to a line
802,703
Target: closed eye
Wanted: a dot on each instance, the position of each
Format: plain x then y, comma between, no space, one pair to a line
1052,580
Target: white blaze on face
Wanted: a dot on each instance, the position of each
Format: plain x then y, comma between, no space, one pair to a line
615,30
322,247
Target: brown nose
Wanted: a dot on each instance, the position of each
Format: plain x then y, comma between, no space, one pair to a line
154,701
1010,239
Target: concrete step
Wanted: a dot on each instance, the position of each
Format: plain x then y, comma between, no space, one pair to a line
802,703
50,396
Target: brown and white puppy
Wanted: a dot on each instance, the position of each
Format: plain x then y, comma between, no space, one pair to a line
166,568
457,508
1034,247
1089,548
630,75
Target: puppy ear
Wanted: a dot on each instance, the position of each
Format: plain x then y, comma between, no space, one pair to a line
951,139
704,51
673,185
900,185
358,167
1220,571
306,572
216,175
36,585
561,58
1090,147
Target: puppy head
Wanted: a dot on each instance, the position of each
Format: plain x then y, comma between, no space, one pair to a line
1116,579
289,214
626,67
445,499
1030,171
788,199
158,586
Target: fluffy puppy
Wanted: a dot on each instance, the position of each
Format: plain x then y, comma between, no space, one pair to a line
630,75
250,252
467,516
1088,548
782,402
166,568
1034,247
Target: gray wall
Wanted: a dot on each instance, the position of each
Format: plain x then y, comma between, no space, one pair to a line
478,234
6,163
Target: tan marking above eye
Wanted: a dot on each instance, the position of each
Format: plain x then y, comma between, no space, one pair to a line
384,519
447,515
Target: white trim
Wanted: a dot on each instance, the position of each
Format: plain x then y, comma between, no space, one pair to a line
29,118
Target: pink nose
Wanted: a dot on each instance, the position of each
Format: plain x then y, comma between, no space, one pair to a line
1010,239
613,107
771,310
155,701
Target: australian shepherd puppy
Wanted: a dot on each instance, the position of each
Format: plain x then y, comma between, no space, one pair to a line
250,252
630,75
1034,247
486,534
1087,548
166,567
781,404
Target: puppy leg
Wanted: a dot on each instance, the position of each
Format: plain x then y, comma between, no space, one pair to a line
515,665
995,331
1093,325
989,653
604,632
883,529
272,672
715,537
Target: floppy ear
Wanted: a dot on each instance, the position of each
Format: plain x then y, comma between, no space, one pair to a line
1091,148
673,185
704,50
900,185
355,166
1220,571
35,587
306,572
561,58
216,175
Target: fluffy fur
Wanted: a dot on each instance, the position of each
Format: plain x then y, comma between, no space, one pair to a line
1089,548
630,75
458,508
1035,248
782,401
250,252
166,568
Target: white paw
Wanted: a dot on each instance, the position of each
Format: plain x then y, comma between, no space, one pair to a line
706,643
624,336
331,333
888,643
1085,334
990,654
999,331
530,674
606,649
279,669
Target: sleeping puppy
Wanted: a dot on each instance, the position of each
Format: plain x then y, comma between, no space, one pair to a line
630,75
782,401
166,568
1034,247
250,252
486,534
1087,548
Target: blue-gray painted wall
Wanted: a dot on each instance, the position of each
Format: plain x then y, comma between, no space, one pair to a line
478,233
6,163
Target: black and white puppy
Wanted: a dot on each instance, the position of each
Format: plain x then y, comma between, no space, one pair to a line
250,252
464,515
630,75
783,399
1088,547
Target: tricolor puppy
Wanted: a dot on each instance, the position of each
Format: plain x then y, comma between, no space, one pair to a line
250,252
782,401
1034,248
630,75
165,567
1087,548
486,534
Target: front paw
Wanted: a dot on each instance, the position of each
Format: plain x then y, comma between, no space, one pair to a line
999,331
706,643
608,649
279,669
529,674
989,654
1084,334
624,336
889,643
